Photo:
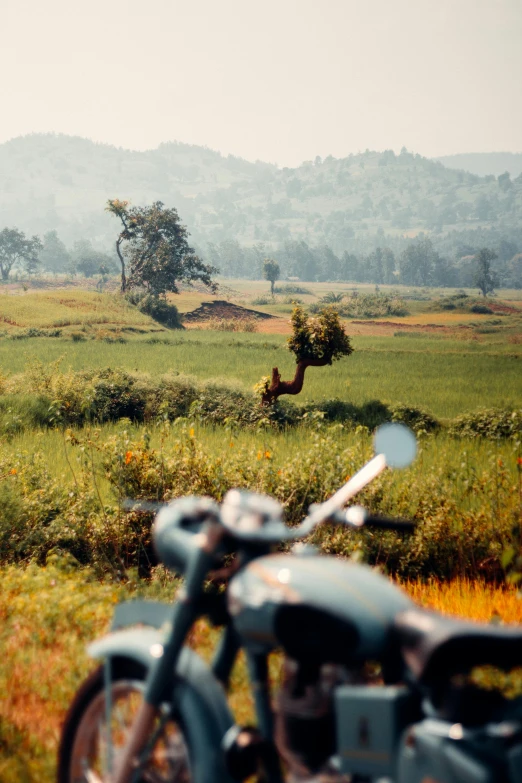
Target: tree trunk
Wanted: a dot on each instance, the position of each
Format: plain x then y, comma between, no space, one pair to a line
279,387
122,262
272,287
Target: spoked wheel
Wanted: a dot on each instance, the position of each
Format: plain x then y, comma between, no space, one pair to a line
91,743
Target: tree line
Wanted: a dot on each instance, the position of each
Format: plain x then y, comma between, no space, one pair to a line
419,264
151,250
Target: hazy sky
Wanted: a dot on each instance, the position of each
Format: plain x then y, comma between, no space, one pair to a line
278,80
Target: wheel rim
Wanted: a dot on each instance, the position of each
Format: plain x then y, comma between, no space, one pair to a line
166,760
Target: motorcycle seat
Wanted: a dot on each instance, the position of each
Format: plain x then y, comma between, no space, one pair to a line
436,647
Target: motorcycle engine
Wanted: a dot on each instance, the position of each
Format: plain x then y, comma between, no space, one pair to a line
305,719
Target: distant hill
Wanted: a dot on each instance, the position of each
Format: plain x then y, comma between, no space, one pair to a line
484,163
62,183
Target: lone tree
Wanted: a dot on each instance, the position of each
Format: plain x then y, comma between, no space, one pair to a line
485,279
315,342
17,250
154,251
271,271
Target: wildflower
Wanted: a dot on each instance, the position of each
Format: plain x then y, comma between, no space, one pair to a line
267,455
500,463
191,432
231,444
13,472
259,454
128,457
519,462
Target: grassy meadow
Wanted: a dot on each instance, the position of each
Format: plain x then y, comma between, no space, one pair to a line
444,376
61,486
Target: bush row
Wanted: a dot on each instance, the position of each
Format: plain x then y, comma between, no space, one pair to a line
50,398
367,306
466,523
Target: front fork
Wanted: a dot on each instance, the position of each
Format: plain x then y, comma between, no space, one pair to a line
183,616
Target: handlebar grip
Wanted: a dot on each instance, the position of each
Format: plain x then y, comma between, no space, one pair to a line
389,523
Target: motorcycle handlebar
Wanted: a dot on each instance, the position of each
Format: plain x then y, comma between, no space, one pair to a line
357,517
390,523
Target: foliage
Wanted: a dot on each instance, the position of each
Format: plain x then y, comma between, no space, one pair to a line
488,423
417,420
485,279
271,271
481,309
89,261
456,499
54,256
331,298
292,288
156,245
320,338
164,312
16,249
369,306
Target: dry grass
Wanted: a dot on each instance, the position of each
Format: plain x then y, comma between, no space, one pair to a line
467,599
67,308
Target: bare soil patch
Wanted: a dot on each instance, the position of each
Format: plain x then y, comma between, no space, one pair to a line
223,310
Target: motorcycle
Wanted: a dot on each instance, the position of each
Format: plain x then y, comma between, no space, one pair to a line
154,712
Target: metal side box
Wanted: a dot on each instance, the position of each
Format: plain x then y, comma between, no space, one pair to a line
369,724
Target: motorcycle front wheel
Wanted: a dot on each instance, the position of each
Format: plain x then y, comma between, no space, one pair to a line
89,747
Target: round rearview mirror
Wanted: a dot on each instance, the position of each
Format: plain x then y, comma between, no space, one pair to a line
397,443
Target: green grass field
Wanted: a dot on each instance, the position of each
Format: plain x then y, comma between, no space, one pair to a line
445,377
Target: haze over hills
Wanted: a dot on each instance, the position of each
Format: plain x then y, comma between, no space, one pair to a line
62,183
484,163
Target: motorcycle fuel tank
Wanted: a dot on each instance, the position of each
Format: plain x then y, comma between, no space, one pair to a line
314,607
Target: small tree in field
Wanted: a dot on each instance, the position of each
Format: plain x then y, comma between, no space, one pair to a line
485,279
315,342
271,271
17,250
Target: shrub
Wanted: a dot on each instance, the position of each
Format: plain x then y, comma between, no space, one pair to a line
331,298
488,423
113,394
481,308
157,307
416,419
464,515
292,289
368,306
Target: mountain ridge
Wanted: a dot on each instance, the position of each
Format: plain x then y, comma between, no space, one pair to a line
60,182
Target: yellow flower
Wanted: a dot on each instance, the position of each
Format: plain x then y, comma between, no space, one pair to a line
191,432
267,455
13,472
128,457
231,444
259,454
